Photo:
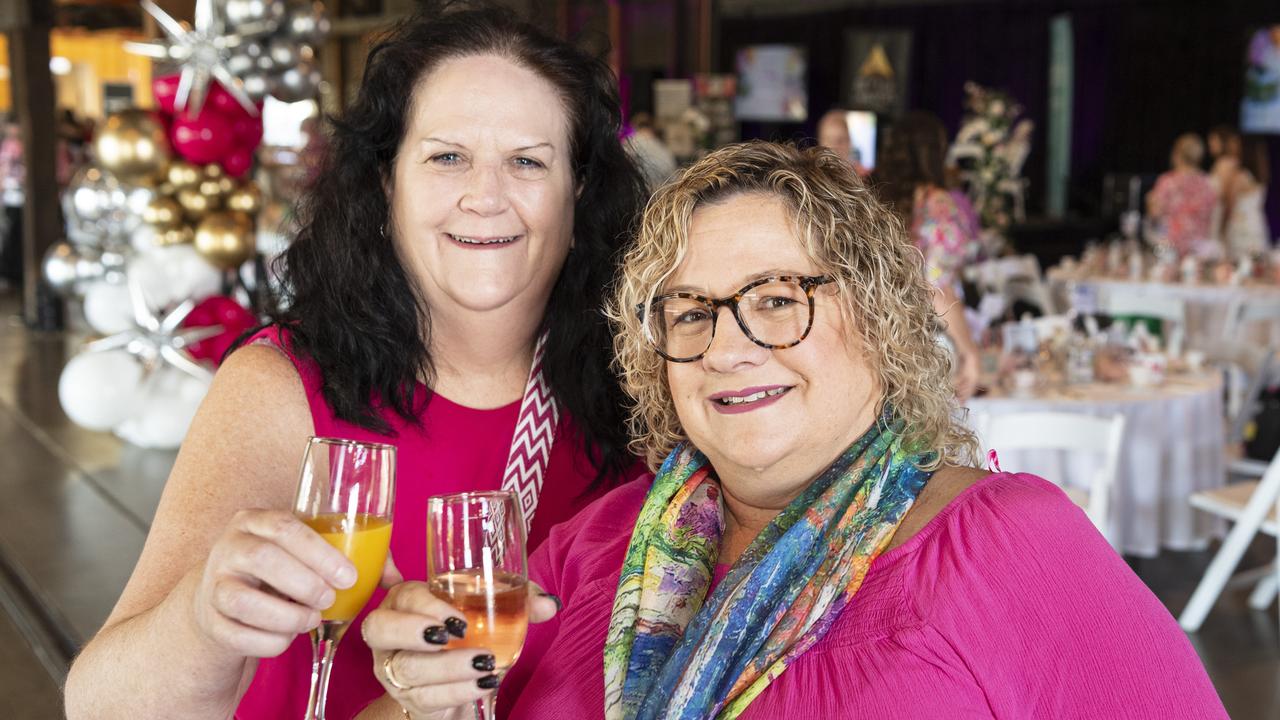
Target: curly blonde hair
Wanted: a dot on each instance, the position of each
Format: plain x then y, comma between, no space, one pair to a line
851,235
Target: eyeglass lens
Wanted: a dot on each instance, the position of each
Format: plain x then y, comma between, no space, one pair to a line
775,313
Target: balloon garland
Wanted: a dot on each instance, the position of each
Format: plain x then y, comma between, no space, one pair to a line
164,217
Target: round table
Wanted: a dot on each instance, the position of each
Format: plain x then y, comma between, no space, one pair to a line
1173,446
1205,305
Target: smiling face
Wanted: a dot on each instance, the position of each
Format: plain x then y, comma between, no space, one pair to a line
769,420
483,189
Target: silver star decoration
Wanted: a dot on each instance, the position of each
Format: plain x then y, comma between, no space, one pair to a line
159,339
203,52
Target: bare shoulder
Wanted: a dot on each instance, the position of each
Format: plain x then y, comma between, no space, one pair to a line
946,485
240,452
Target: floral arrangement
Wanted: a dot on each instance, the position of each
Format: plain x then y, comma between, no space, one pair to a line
990,149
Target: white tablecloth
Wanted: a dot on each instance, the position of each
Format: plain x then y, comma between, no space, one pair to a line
1206,306
1173,446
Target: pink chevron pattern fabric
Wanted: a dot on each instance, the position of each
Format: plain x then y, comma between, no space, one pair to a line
531,444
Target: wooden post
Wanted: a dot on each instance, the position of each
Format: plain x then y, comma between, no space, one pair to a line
34,102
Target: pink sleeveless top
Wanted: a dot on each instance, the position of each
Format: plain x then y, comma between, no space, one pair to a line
455,449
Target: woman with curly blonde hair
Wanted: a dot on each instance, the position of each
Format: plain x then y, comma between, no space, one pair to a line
814,539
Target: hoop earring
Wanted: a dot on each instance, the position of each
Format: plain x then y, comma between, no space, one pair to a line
382,230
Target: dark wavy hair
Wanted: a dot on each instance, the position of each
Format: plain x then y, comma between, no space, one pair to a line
351,306
914,153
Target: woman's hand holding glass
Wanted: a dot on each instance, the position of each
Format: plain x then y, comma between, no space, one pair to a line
267,579
408,634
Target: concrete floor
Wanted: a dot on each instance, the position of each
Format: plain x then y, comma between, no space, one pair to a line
75,506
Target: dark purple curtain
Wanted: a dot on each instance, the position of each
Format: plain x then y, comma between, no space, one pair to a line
1145,71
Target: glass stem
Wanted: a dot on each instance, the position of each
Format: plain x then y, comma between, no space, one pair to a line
324,641
486,706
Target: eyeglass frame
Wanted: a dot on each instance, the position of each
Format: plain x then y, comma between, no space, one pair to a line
808,283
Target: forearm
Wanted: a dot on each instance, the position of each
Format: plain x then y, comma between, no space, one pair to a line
950,310
157,664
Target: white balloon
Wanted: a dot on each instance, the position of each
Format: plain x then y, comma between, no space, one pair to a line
171,274
100,390
144,239
164,413
108,308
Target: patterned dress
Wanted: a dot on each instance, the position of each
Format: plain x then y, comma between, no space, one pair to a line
1185,201
945,228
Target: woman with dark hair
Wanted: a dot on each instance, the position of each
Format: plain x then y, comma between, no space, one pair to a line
913,181
450,267
1240,174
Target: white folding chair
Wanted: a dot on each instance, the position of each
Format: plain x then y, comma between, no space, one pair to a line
1254,506
1133,299
1014,277
1246,376
1064,431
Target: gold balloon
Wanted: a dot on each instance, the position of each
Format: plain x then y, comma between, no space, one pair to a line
213,171
227,185
181,235
196,204
245,199
162,213
166,189
212,189
226,239
183,174
131,145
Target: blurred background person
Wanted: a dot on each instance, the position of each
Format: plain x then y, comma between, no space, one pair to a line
833,134
912,180
1239,174
13,176
1183,198
650,153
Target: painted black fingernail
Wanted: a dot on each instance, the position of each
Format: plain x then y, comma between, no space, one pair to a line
488,682
555,599
457,627
484,663
436,635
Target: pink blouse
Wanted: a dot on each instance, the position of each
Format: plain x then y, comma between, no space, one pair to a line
1186,200
1008,604
945,228
456,449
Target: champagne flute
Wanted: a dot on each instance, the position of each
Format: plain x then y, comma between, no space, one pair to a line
345,494
476,562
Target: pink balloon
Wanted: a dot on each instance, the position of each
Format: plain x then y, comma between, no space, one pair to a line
204,139
218,310
225,103
247,132
238,162
164,88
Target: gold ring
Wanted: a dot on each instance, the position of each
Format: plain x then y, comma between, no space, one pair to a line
386,672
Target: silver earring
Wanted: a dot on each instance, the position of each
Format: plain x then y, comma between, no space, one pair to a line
382,230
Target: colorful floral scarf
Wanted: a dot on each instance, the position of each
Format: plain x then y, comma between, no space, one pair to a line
669,655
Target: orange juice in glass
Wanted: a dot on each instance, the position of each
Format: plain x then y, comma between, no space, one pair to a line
345,493
365,540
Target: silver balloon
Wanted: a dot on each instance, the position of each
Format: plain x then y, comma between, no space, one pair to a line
244,58
267,63
256,84
96,206
306,22
300,82
69,269
137,198
286,53
250,17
